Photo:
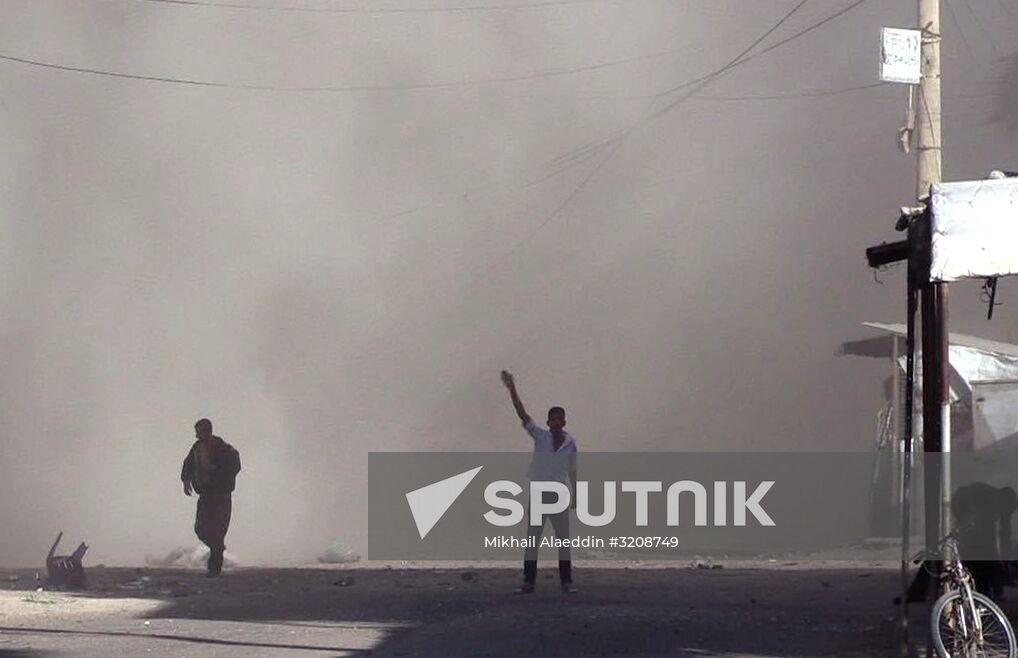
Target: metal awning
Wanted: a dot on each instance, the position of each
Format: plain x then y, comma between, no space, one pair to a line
983,372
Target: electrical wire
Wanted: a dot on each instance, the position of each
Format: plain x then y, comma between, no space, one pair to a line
368,11
561,164
615,143
1008,10
533,181
979,24
422,86
957,24
577,157
768,49
794,96
623,133
341,88
697,84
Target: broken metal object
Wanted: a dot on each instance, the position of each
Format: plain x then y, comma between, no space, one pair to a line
65,571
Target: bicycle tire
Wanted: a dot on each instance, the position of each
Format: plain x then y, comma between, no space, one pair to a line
998,635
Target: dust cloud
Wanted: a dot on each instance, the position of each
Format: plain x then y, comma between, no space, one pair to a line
335,246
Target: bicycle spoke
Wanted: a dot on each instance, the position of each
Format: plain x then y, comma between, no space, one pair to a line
968,625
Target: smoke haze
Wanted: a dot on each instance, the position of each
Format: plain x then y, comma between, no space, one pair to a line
336,248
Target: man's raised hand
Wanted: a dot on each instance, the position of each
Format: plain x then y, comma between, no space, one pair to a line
510,383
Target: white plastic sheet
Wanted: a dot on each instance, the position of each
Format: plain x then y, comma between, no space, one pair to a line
975,229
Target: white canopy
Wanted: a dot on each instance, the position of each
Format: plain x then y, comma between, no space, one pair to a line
982,371
975,229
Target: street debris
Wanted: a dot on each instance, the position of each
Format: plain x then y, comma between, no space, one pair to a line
65,571
188,557
704,563
40,597
148,586
337,553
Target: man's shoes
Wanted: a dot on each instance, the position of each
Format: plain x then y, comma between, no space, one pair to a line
567,588
215,563
525,588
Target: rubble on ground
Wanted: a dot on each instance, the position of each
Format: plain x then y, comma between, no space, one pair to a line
338,553
196,557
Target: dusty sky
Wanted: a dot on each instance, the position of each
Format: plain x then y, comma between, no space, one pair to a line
335,247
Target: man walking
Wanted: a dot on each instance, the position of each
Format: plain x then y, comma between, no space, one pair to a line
210,469
554,461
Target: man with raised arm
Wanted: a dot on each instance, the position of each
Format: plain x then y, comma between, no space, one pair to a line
555,461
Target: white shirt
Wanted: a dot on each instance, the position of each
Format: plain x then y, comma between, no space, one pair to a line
549,464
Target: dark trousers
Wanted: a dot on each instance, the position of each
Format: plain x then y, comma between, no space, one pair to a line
560,523
211,523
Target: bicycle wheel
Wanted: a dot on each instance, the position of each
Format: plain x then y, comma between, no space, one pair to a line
954,634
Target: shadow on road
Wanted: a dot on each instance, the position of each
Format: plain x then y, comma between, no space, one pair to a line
796,612
164,636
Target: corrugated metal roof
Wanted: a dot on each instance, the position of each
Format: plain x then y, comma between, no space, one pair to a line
981,344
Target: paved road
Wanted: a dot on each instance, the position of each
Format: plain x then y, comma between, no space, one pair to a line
783,610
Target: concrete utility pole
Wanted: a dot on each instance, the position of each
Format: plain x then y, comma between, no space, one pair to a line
928,120
917,251
936,393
